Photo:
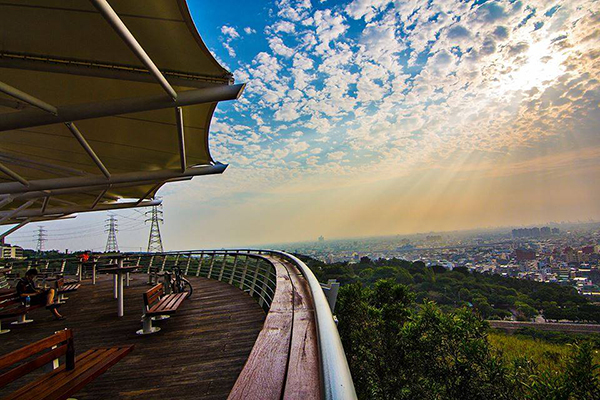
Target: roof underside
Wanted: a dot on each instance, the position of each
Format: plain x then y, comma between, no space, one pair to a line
67,54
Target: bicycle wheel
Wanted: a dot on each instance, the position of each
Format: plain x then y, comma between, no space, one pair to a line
187,287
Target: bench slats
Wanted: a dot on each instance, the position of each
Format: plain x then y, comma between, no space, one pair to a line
69,288
152,296
60,381
87,356
61,384
11,312
27,367
168,304
29,350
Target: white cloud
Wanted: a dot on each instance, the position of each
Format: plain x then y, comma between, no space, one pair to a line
230,32
249,30
276,44
287,112
336,155
284,26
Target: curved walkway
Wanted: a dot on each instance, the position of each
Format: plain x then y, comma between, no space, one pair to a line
198,354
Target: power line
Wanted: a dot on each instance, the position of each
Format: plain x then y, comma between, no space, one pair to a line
111,241
155,241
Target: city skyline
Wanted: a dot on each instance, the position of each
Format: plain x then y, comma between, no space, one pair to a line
373,117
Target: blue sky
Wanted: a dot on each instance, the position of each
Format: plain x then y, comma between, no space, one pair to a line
376,117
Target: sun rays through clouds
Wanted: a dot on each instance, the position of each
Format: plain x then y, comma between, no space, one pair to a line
462,112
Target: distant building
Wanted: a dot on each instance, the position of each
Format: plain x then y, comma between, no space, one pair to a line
589,249
525,255
8,251
321,239
534,232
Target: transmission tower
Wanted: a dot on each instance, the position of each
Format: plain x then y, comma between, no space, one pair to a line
155,215
41,239
111,228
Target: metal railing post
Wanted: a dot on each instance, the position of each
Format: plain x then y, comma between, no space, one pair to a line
212,263
244,272
235,259
223,266
200,264
263,289
187,266
253,285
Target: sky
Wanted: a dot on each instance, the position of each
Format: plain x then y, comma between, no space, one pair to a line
376,117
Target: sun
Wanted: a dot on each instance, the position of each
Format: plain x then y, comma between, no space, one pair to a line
537,67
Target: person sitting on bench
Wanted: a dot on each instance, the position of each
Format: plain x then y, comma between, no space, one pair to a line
26,288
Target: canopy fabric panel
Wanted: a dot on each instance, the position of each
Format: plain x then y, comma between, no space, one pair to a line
65,53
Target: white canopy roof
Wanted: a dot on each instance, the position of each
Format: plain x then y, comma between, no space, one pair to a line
99,104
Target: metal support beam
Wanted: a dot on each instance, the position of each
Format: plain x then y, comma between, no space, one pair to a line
88,149
14,228
100,196
98,180
6,200
181,137
113,19
86,189
17,94
37,62
107,108
149,192
33,213
6,215
61,201
45,204
13,174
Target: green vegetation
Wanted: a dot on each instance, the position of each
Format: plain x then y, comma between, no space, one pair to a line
492,296
400,349
547,356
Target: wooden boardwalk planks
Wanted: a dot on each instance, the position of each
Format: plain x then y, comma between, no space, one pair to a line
198,354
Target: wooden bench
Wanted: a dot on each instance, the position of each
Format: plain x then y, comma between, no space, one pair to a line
62,288
159,306
11,306
63,381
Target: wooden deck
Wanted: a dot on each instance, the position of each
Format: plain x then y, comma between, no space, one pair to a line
198,354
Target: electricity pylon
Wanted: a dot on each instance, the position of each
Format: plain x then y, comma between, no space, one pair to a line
41,239
155,215
111,241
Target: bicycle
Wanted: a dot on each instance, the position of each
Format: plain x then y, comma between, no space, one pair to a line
177,283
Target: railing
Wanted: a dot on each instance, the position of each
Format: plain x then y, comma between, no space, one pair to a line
251,271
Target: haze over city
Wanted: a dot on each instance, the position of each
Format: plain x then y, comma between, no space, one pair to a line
376,117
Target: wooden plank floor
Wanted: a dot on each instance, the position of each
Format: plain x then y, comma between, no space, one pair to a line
198,354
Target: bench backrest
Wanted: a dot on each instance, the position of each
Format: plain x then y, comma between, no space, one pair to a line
60,283
4,282
9,299
63,340
153,295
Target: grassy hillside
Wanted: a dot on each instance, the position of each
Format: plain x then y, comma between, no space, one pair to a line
547,356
